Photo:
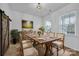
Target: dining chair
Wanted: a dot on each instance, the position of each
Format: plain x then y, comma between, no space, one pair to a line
30,51
59,44
52,34
20,47
24,37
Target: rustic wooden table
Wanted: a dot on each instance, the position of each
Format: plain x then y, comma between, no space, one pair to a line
47,40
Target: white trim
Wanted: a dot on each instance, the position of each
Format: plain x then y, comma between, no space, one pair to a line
68,13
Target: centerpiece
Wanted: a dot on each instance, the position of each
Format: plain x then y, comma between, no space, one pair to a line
42,29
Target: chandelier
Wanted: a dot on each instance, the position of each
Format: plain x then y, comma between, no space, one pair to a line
38,6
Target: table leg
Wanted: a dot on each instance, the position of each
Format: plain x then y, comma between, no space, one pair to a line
46,52
51,49
48,48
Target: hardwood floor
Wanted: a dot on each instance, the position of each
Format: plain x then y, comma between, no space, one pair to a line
14,51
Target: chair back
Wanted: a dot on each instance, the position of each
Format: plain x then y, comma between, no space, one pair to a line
52,34
21,46
24,36
60,35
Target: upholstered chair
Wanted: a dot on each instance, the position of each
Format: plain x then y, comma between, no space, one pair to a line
59,44
26,49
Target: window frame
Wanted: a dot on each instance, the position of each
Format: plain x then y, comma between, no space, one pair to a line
68,14
46,25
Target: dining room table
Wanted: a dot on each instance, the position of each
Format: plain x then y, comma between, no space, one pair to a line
43,39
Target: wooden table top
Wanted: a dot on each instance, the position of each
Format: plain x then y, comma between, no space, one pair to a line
42,38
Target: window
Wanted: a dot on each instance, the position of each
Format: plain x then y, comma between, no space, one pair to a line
48,26
68,24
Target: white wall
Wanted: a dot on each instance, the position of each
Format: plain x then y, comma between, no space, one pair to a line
37,22
70,41
17,17
5,7
8,12
16,20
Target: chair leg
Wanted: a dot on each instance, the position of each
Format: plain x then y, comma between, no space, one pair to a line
57,51
63,50
51,50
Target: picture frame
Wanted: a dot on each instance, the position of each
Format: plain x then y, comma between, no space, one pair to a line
27,24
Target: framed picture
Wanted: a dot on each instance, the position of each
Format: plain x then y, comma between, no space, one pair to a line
27,24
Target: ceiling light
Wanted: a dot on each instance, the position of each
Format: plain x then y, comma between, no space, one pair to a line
38,6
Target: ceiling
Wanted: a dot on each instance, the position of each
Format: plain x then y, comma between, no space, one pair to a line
30,8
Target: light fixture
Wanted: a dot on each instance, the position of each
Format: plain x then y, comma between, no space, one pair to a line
38,6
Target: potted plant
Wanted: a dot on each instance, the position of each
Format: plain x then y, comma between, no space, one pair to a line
14,36
39,32
42,29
